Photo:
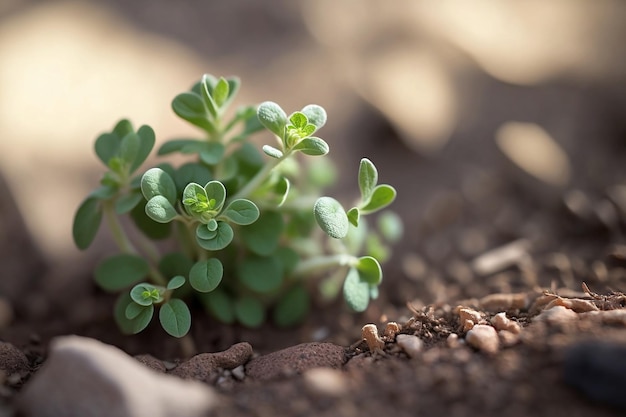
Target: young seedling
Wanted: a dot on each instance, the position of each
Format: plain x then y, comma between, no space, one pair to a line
243,223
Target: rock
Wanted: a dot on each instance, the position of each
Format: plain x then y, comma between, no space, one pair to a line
297,358
410,344
483,337
598,369
84,377
152,363
326,381
503,302
202,366
501,258
556,315
12,360
501,322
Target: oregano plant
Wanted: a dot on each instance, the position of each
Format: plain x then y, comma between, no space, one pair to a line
248,226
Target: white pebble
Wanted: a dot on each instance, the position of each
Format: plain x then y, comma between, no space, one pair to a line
484,338
410,344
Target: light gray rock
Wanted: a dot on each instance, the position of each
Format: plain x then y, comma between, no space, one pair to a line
83,377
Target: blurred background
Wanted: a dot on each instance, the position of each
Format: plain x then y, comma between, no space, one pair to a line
486,116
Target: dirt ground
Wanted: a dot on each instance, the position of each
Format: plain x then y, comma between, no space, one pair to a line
467,203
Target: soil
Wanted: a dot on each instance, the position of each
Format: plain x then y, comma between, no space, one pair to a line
461,204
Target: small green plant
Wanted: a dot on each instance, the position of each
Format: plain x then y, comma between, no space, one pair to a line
243,224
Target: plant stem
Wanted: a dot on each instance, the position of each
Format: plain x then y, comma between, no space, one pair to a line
119,236
322,263
258,179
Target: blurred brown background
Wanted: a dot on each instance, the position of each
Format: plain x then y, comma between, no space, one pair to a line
440,95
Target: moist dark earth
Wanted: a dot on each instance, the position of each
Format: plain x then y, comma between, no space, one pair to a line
466,201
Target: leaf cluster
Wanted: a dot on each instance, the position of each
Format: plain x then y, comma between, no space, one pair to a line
244,224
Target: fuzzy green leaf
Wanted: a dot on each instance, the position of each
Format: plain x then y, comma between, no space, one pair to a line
146,143
262,236
159,209
355,291
242,212
133,310
381,197
221,92
129,148
147,226
206,275
315,114
156,181
177,145
298,120
212,153
86,222
368,178
175,317
107,147
272,152
176,282
195,199
282,190
249,311
205,233
192,172
215,190
136,317
120,271
353,216
292,308
191,107
312,146
127,202
145,294
207,86
331,217
174,264
369,270
223,236
260,274
390,226
273,117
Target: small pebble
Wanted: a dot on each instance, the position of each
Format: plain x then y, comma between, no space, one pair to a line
326,381
556,315
391,330
453,340
483,337
503,302
500,258
469,318
239,373
410,344
508,338
501,322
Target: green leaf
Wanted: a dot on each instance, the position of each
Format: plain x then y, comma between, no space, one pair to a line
156,181
260,274
273,117
381,197
192,172
122,128
140,317
282,190
86,222
159,209
211,227
146,143
146,294
315,114
215,190
127,202
369,270
107,147
206,275
148,226
205,233
249,311
299,120
368,178
176,145
120,271
133,310
390,226
104,192
322,173
119,313
312,146
221,92
207,86
220,305
272,152
129,148
212,153
195,199
176,282
262,236
175,317
222,238
242,212
331,217
191,107
292,308
355,291
353,216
